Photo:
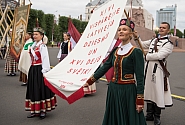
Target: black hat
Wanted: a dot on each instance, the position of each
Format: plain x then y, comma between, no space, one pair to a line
30,33
128,23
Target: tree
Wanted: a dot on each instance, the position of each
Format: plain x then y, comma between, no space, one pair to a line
56,33
63,26
83,26
49,21
77,24
32,20
178,33
41,19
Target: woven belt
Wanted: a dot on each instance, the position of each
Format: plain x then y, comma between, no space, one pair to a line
124,81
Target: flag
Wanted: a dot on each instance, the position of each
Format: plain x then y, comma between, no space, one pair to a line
75,35
19,30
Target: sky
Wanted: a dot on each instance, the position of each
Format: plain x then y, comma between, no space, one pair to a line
77,7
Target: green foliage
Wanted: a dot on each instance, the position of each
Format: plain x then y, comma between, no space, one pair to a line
49,20
41,19
32,19
77,24
46,21
83,26
56,35
178,33
63,26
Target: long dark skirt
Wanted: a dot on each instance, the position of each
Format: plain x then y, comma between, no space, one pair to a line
121,106
39,98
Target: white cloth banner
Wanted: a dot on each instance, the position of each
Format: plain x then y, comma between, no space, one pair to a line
67,78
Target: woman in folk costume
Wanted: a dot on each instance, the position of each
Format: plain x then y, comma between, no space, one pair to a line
24,61
125,102
11,65
65,47
39,98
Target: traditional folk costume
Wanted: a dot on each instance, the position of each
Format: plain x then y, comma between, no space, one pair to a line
65,48
39,98
122,91
156,90
25,61
11,65
109,74
123,94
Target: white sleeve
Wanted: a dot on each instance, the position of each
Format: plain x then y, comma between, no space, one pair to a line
145,44
45,58
59,53
162,53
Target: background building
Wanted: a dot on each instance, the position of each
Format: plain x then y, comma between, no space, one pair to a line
140,16
11,3
91,6
167,14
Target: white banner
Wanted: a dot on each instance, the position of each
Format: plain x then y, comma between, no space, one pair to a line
68,77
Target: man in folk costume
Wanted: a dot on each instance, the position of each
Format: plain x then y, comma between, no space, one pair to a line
24,61
11,65
157,89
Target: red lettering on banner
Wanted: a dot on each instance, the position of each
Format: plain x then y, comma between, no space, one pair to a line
79,62
105,18
72,62
79,71
62,86
93,51
84,79
76,62
111,7
63,82
93,60
101,13
118,10
100,30
70,70
97,41
75,71
86,71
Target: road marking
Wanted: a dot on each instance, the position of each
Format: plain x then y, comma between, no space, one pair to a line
174,96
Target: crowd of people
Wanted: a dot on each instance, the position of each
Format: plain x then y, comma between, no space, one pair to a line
135,76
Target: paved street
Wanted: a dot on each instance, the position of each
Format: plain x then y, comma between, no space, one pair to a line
88,110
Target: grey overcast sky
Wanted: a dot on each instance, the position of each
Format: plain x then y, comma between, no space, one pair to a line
77,7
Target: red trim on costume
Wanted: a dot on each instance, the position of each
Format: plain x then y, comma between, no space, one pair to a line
37,52
72,98
40,106
90,81
140,101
